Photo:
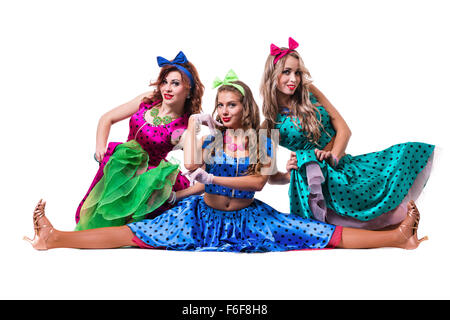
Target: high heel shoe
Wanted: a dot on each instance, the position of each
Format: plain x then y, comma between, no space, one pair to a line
412,241
41,232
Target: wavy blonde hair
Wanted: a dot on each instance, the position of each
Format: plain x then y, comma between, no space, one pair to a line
302,109
250,120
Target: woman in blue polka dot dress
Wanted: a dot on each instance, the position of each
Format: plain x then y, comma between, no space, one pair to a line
227,217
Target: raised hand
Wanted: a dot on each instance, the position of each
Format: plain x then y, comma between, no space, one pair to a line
206,119
200,175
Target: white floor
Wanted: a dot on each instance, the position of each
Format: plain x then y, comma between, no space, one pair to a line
156,274
145,274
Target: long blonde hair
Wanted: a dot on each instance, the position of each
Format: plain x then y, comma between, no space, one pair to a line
300,105
250,120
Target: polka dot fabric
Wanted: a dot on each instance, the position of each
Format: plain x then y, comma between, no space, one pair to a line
223,165
361,187
194,226
294,139
155,140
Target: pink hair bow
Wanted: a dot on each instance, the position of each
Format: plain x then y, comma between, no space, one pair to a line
275,51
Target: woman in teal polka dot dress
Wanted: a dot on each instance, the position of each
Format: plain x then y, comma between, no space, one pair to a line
369,191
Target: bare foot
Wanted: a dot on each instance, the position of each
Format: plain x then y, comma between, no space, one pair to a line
42,227
409,226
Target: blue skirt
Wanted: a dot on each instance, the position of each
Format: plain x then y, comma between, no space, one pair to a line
194,226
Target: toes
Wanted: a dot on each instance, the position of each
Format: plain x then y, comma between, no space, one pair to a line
409,205
414,207
41,205
38,204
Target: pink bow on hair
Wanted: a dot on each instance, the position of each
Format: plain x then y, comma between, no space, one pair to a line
275,51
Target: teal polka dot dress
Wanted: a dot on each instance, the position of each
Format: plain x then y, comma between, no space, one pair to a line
360,189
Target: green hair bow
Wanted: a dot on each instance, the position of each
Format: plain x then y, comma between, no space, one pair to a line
228,81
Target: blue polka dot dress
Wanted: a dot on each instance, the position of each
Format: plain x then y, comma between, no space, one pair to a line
194,226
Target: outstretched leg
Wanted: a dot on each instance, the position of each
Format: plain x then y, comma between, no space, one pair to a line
47,237
404,236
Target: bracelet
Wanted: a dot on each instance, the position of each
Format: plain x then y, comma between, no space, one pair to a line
336,160
95,158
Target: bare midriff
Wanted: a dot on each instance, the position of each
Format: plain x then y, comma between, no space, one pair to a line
224,203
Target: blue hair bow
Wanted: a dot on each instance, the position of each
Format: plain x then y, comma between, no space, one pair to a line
179,59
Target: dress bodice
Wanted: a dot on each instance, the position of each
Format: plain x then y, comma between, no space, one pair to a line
294,139
222,165
155,140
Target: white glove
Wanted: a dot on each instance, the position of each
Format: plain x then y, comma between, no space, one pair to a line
200,175
207,120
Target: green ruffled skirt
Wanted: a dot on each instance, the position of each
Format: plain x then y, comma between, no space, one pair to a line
127,192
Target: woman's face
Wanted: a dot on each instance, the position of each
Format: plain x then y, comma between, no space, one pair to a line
290,77
173,89
230,109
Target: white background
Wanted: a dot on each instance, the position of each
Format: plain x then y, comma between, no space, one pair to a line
383,64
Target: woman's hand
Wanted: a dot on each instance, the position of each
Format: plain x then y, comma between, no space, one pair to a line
292,162
200,175
117,114
321,155
100,154
206,119
284,178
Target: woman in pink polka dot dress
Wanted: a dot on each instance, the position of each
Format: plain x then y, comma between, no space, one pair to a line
134,181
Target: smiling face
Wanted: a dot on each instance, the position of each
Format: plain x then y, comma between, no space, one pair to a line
230,109
173,89
290,77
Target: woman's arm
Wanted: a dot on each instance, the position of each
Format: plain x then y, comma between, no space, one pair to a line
246,183
343,132
197,188
192,147
285,178
115,115
280,178
254,182
330,144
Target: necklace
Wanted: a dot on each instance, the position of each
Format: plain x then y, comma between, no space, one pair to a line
285,110
233,146
157,120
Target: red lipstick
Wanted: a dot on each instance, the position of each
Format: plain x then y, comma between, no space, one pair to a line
291,87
